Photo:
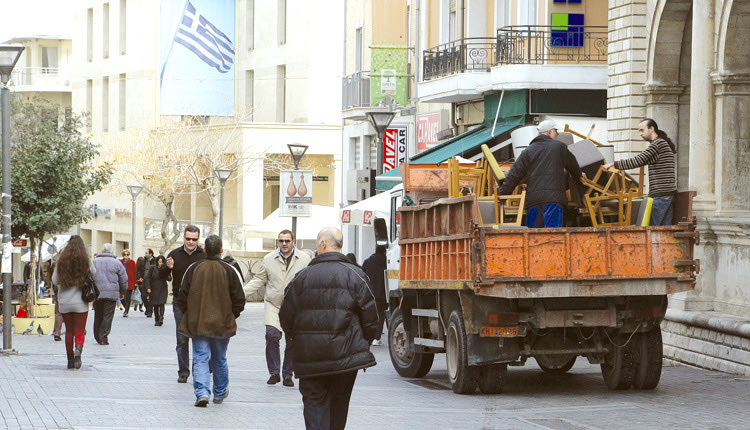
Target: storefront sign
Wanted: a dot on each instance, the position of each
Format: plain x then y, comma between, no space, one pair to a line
20,242
346,216
428,126
295,193
123,213
394,147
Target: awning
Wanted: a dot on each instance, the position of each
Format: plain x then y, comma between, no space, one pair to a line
364,212
387,180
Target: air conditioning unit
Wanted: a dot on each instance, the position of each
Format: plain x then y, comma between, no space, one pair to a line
359,184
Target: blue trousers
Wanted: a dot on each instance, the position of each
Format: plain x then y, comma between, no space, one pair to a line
273,353
662,210
183,346
552,216
213,349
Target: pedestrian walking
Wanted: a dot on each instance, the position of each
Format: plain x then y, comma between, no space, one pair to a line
278,269
329,313
157,289
142,268
131,271
178,260
73,268
112,281
229,259
49,270
374,267
211,299
660,156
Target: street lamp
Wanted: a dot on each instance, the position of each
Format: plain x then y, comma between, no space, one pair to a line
223,175
380,120
8,57
134,191
298,151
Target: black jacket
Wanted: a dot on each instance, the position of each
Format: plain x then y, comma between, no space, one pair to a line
158,286
182,260
543,164
374,267
329,312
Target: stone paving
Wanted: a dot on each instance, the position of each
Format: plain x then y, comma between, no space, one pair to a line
131,384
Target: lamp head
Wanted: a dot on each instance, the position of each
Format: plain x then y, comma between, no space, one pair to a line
380,120
223,174
9,55
134,190
297,150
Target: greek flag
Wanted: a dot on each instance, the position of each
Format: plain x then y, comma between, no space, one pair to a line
206,41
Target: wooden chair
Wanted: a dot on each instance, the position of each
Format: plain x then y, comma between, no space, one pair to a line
612,200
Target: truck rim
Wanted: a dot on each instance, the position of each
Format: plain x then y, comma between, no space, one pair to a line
400,342
451,352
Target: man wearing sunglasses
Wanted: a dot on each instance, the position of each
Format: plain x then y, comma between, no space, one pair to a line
278,269
178,262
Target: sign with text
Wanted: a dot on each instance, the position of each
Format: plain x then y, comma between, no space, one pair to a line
394,147
295,193
428,126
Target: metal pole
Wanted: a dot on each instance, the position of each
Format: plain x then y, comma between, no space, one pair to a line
294,227
132,233
379,152
7,277
221,213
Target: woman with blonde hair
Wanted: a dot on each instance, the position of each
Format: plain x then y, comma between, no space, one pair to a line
73,267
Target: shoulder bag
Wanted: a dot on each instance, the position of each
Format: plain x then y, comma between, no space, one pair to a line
89,291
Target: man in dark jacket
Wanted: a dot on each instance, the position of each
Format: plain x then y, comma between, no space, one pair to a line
374,267
543,164
211,299
177,263
329,313
143,268
112,280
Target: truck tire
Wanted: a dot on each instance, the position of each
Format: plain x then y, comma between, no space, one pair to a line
618,368
407,363
492,378
648,359
555,367
462,376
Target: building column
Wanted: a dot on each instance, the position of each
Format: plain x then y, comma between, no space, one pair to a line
663,106
702,146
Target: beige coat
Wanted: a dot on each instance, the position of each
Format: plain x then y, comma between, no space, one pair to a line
275,276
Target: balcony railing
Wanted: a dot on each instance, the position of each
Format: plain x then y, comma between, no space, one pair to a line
24,76
355,91
473,53
526,44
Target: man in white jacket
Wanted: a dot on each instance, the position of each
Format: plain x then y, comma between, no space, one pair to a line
278,269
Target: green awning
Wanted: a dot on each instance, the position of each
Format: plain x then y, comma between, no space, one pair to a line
388,180
466,142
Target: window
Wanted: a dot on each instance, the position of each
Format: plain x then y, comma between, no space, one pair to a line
49,59
281,25
123,26
502,13
527,12
105,104
90,35
250,24
105,31
358,48
281,94
249,93
89,102
122,93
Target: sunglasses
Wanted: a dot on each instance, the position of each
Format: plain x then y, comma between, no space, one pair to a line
191,239
284,240
126,255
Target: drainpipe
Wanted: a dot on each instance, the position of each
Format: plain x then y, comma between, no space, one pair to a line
463,19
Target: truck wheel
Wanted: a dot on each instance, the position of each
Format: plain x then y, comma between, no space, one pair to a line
406,362
462,376
492,378
555,366
618,368
648,359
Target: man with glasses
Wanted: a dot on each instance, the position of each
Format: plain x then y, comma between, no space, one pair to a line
178,262
278,269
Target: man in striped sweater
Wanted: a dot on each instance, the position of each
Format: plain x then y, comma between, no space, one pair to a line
660,156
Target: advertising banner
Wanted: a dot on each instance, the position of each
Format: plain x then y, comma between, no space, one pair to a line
295,193
428,125
394,147
197,57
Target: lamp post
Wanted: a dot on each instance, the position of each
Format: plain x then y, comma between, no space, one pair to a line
298,151
134,191
8,57
380,120
223,175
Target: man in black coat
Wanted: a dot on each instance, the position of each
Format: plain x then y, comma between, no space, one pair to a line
178,260
329,313
543,163
374,267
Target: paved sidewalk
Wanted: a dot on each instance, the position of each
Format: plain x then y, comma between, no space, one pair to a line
131,384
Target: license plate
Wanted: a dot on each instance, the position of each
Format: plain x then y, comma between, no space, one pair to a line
499,331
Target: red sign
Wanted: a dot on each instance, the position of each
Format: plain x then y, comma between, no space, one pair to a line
394,148
19,243
428,126
367,217
346,216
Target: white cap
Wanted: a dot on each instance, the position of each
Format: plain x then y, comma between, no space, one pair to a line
546,126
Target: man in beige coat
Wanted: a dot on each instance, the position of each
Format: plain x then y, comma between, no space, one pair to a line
278,269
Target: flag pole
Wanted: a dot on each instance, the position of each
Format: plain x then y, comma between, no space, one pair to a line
171,45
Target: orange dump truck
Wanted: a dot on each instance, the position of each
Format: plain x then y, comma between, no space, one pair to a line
490,296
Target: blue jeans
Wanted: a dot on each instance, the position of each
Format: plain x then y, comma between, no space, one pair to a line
213,349
662,210
552,216
273,354
183,346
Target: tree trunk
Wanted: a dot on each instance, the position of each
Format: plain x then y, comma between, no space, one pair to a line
32,290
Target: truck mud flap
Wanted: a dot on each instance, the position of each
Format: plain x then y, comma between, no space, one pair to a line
486,350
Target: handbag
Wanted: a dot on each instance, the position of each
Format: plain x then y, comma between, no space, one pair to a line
136,296
89,290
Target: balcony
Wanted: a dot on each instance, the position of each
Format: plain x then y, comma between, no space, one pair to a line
50,79
355,91
474,53
541,44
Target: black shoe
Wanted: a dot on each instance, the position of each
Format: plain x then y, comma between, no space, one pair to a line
219,400
71,361
201,402
77,356
125,315
58,338
288,382
183,379
274,379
